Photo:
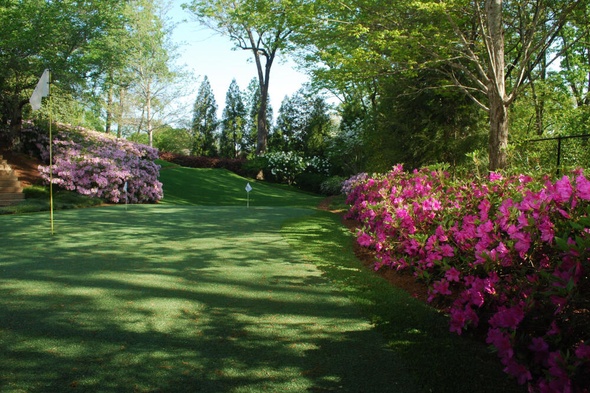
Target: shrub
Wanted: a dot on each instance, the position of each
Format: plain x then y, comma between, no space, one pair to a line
234,165
332,185
510,255
311,182
98,165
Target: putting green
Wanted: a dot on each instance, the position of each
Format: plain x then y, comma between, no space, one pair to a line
177,299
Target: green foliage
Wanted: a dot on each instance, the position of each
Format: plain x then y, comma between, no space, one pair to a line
205,122
332,185
233,123
303,125
283,167
37,200
173,140
80,26
418,124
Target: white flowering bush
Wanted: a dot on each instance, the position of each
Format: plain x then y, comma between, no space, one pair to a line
285,166
98,165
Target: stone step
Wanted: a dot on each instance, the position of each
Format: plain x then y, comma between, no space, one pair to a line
10,190
10,187
8,176
9,181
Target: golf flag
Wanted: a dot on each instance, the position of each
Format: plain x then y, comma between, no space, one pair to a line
248,189
42,90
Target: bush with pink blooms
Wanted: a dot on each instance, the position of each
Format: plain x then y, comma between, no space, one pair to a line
505,256
99,165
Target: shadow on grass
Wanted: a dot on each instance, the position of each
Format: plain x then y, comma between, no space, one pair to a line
435,359
177,299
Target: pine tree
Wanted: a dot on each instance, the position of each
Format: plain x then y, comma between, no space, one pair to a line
204,122
303,124
233,123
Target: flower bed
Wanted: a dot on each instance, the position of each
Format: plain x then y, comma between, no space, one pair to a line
509,256
97,165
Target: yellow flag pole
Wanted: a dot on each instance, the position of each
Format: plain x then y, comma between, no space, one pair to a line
50,157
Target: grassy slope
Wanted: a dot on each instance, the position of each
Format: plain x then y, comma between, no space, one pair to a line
177,297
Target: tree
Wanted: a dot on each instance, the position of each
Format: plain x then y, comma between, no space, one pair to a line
204,122
150,61
251,102
303,124
262,27
233,122
51,34
488,48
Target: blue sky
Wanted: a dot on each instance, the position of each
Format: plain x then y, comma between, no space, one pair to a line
209,54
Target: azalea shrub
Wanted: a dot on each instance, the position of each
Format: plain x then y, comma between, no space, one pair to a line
507,257
98,165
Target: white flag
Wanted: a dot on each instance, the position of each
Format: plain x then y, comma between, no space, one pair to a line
248,187
125,187
42,90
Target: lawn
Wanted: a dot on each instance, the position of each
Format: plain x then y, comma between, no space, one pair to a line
195,296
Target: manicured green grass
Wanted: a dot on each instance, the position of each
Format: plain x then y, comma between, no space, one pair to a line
436,360
202,294
173,298
220,187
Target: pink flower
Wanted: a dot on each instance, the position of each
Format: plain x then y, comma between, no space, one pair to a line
453,275
501,341
563,189
442,287
583,188
583,352
495,176
517,370
507,317
364,240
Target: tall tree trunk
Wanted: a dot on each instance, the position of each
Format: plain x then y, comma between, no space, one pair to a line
120,112
498,142
109,119
149,114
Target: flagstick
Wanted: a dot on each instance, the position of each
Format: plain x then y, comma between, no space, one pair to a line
50,158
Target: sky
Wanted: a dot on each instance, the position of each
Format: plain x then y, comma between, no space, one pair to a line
207,53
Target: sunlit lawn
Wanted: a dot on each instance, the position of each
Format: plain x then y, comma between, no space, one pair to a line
177,297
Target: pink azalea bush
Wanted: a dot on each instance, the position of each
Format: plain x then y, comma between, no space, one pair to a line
509,256
98,165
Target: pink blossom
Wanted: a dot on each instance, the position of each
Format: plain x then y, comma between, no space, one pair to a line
501,341
519,371
583,188
453,275
495,176
563,189
507,317
364,240
583,352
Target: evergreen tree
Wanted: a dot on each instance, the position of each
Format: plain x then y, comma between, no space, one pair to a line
204,122
303,125
233,123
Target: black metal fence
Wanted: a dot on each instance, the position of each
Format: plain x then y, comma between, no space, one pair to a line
564,155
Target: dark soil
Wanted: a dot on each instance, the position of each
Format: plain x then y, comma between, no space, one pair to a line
25,167
400,279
